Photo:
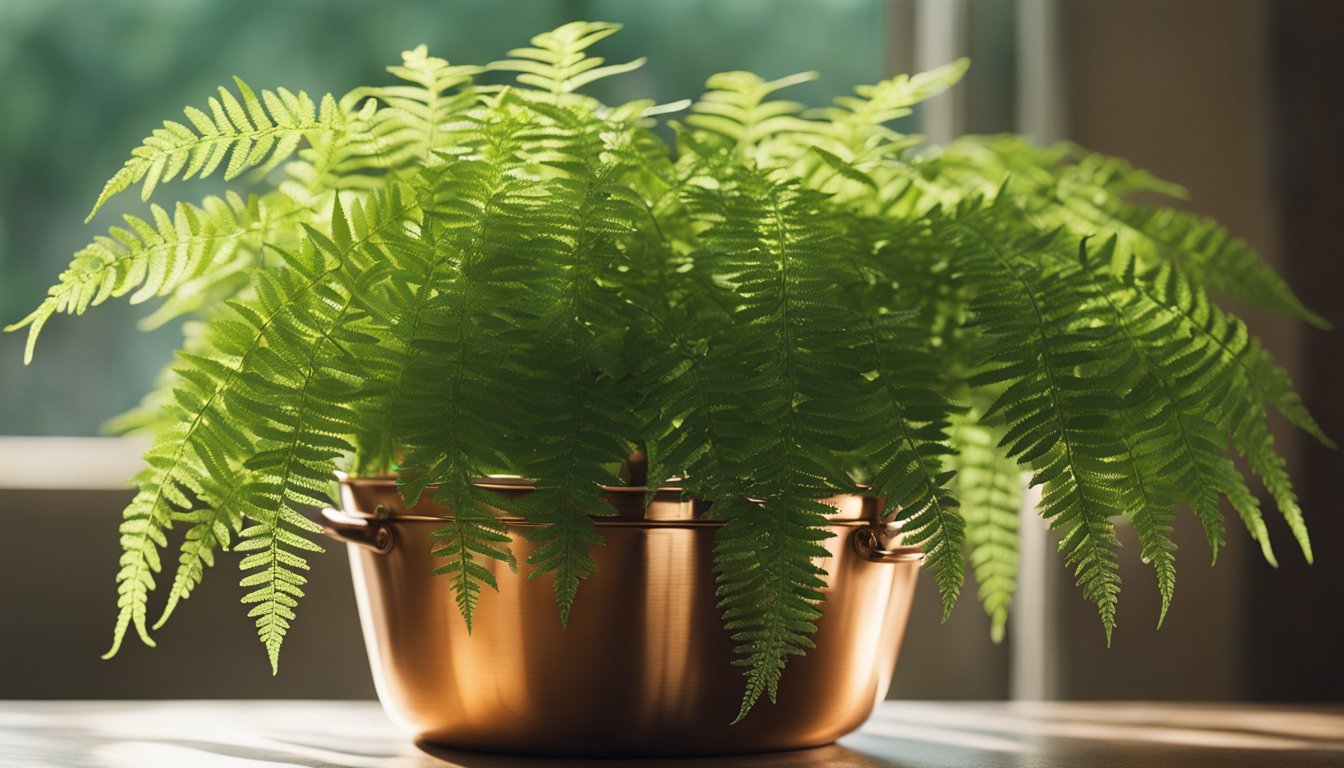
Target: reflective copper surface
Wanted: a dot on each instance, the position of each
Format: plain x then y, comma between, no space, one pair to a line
644,667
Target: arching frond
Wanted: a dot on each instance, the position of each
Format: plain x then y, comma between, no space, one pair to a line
182,254
250,133
1059,373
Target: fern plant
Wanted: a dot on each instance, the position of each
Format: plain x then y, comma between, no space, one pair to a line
453,276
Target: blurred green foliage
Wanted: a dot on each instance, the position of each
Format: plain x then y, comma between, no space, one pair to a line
82,82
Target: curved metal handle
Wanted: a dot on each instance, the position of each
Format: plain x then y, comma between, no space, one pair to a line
372,534
874,543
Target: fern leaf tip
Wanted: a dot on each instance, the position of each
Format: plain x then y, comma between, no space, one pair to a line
996,632
163,619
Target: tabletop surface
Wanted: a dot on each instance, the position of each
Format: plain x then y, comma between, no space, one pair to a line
356,734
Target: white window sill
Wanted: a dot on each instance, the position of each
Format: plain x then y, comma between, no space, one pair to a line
70,463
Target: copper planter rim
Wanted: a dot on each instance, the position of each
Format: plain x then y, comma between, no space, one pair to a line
668,504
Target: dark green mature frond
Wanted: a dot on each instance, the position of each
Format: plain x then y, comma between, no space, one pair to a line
1206,252
446,411
472,535
558,63
989,486
254,132
1151,500
582,419
1061,375
782,395
490,245
1243,381
1090,195
910,447
768,585
1178,379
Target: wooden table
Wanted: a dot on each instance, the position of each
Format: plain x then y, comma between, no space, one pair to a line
356,734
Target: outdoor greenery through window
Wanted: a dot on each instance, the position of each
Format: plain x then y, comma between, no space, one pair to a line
119,65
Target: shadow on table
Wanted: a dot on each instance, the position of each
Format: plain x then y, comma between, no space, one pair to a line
831,756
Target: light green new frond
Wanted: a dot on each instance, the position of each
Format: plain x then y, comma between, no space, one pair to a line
273,549
233,423
737,109
184,253
857,122
251,132
297,395
989,486
415,121
143,530
212,528
558,63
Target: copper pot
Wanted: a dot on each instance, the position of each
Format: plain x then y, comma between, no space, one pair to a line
645,667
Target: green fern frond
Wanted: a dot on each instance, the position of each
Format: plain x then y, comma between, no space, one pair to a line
1089,195
213,528
254,132
1150,502
472,534
989,486
738,110
558,63
1048,349
144,528
414,123
858,122
1179,376
300,405
564,539
184,253
783,402
769,585
1205,251
580,420
1244,382
911,447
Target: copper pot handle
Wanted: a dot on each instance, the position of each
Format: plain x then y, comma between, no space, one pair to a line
373,534
879,543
